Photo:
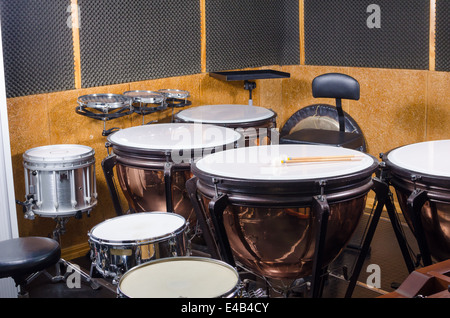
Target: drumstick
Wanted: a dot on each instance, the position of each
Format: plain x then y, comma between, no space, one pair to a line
320,159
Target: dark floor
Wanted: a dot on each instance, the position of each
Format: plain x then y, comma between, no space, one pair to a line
384,252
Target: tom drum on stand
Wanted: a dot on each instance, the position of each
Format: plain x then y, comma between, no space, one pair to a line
123,242
104,107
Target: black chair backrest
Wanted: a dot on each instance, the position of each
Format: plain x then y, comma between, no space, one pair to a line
335,85
338,86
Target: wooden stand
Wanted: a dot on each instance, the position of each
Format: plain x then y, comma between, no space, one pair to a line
428,282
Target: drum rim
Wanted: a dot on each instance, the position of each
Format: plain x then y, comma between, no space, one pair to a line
136,242
244,124
290,186
159,98
406,174
294,193
89,154
125,101
73,212
230,293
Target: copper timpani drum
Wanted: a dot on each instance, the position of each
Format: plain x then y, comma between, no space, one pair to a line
420,174
123,242
180,277
153,163
60,180
269,213
255,123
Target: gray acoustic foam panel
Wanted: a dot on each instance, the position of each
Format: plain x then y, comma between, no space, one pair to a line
125,41
337,33
37,46
442,35
251,33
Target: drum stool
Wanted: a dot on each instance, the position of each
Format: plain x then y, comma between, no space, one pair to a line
24,257
337,86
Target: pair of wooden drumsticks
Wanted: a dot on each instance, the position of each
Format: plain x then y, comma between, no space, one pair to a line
321,159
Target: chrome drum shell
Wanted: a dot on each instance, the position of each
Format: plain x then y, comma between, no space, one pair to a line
60,179
112,258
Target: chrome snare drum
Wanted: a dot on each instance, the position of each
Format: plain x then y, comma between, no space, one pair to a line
60,180
266,213
255,123
153,163
420,174
123,242
180,277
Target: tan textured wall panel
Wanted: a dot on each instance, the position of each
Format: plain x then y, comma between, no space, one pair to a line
438,114
29,127
392,108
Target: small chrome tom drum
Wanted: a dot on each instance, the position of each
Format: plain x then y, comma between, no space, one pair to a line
420,174
180,277
146,102
123,242
104,107
60,180
268,212
175,97
255,123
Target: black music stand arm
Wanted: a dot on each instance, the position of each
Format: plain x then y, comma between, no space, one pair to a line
191,188
107,165
414,204
216,208
250,86
322,210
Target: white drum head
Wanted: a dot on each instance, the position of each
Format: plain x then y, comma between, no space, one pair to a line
225,114
264,162
430,157
174,136
179,277
58,153
138,227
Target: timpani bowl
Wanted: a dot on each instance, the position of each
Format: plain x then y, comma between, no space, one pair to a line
269,219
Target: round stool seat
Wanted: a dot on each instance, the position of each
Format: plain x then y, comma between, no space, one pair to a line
26,255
